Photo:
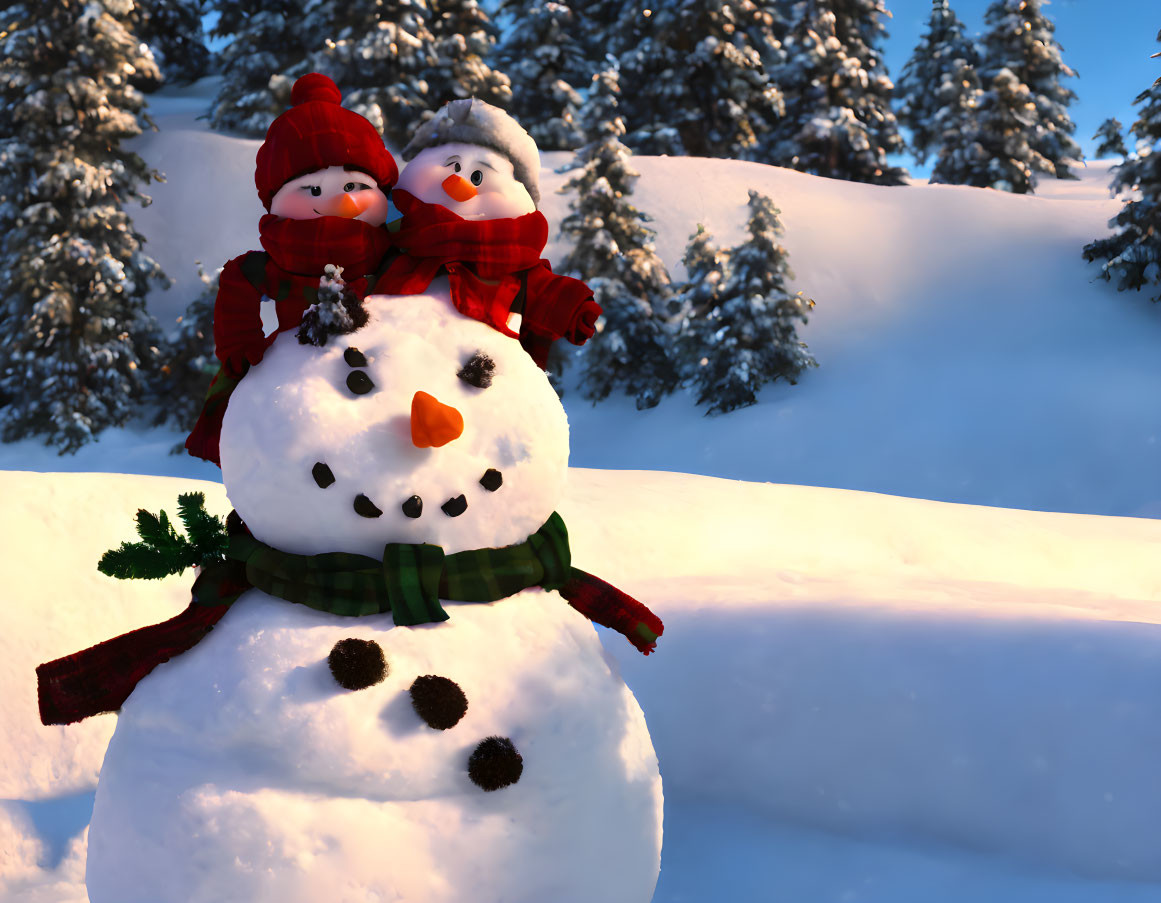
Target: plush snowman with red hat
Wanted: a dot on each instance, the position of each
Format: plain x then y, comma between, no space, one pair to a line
468,198
324,174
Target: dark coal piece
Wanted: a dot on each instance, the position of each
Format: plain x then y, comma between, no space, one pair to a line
439,701
359,382
354,357
478,371
323,475
492,479
413,507
366,507
495,764
357,664
454,507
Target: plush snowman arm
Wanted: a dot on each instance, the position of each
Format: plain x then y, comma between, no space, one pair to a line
584,324
239,339
604,604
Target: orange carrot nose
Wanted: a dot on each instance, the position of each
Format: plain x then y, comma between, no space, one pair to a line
432,423
458,188
345,205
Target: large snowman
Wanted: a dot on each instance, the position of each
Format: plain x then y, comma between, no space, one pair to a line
443,751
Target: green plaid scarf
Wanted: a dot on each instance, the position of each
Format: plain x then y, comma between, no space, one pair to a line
408,581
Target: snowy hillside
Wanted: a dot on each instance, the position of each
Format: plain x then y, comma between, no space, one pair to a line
859,697
925,683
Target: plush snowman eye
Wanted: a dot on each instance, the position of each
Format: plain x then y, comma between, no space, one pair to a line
315,190
356,186
457,167
478,371
477,177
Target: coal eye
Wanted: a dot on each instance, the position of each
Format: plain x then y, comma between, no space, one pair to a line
478,371
477,177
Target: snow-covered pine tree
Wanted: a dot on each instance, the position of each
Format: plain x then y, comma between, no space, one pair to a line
377,52
613,252
838,121
959,156
705,274
699,84
1112,142
695,297
1133,255
767,28
464,37
1020,40
77,346
173,31
188,363
267,43
748,338
992,149
398,61
599,30
929,76
542,54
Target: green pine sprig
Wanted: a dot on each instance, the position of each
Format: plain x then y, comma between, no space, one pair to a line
162,550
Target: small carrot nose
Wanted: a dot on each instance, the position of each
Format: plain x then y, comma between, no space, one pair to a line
458,188
433,423
345,205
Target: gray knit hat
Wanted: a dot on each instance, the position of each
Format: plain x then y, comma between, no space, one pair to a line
472,121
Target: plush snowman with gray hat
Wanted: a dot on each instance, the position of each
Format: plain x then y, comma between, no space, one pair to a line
468,199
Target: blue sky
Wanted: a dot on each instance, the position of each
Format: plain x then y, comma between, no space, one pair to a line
1107,42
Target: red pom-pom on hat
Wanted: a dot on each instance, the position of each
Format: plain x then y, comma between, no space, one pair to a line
317,132
315,86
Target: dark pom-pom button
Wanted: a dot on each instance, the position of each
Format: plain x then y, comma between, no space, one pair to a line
495,764
366,507
439,701
359,382
413,507
357,664
323,475
492,479
354,357
454,507
478,371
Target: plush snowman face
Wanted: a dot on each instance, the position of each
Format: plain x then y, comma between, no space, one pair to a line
470,181
334,191
423,426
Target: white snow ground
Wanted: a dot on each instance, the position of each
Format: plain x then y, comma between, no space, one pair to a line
858,697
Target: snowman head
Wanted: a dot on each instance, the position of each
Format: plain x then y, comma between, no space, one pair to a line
333,191
319,159
474,159
424,426
471,181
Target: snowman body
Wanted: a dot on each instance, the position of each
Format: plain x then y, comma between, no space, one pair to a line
243,771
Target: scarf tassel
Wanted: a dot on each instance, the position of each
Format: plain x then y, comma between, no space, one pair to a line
100,679
604,604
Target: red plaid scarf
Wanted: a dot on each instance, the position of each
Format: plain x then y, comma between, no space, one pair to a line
432,238
304,247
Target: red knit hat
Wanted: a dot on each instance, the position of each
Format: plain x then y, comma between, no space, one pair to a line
316,132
